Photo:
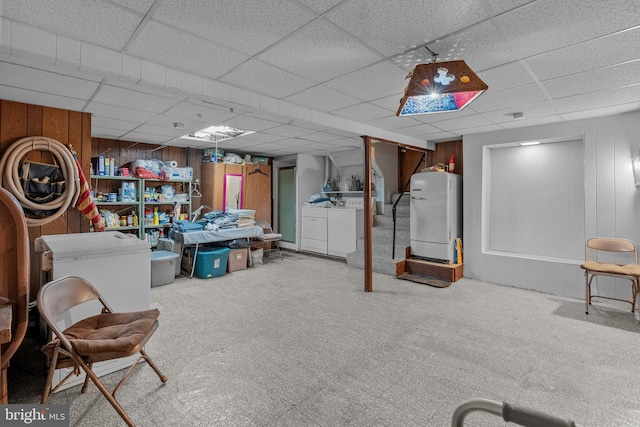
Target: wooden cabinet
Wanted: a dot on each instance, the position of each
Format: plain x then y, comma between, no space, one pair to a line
257,190
256,187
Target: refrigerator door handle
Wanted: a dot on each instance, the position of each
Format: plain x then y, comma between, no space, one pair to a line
418,198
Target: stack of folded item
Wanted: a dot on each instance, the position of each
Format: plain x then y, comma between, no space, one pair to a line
242,217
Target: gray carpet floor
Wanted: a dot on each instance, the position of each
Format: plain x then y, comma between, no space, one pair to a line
296,342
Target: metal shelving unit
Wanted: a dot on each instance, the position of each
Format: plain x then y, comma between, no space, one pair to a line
111,184
184,187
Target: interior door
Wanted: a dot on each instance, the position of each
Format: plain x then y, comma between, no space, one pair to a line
287,203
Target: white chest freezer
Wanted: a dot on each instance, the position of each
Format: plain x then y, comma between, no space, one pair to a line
118,265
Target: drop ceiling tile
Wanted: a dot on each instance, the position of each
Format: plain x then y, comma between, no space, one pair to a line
141,6
105,132
267,115
593,100
590,55
320,6
479,129
362,112
39,98
320,137
145,137
536,121
247,122
390,103
261,137
419,130
546,25
455,124
480,46
442,136
374,82
322,98
121,97
249,26
289,131
506,76
93,21
320,52
490,100
161,130
183,51
266,79
394,123
119,113
594,80
237,143
501,6
529,111
199,113
297,142
46,82
406,24
109,123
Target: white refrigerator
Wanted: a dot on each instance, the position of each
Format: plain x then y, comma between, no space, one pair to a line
435,215
118,265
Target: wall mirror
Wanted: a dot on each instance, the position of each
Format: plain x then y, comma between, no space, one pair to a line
233,191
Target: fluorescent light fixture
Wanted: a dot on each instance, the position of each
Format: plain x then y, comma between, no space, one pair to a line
529,143
216,134
440,87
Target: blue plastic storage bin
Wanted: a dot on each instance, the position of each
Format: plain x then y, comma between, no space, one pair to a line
211,262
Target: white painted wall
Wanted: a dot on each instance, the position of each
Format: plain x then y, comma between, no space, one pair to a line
386,157
611,200
309,180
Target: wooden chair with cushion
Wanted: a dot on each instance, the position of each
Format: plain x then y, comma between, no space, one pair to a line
622,248
14,283
104,336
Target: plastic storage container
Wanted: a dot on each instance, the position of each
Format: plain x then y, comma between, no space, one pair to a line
163,267
237,260
211,262
171,245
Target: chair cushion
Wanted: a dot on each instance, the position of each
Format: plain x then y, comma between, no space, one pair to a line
270,236
610,268
108,333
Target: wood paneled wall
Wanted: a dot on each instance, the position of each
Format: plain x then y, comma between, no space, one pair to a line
18,120
408,159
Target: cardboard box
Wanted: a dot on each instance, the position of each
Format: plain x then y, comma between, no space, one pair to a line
237,260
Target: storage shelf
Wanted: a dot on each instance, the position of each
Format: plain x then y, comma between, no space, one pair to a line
180,186
183,185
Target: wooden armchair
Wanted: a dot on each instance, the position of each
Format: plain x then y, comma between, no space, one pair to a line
14,283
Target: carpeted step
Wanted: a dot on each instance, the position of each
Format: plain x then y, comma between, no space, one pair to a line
382,238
